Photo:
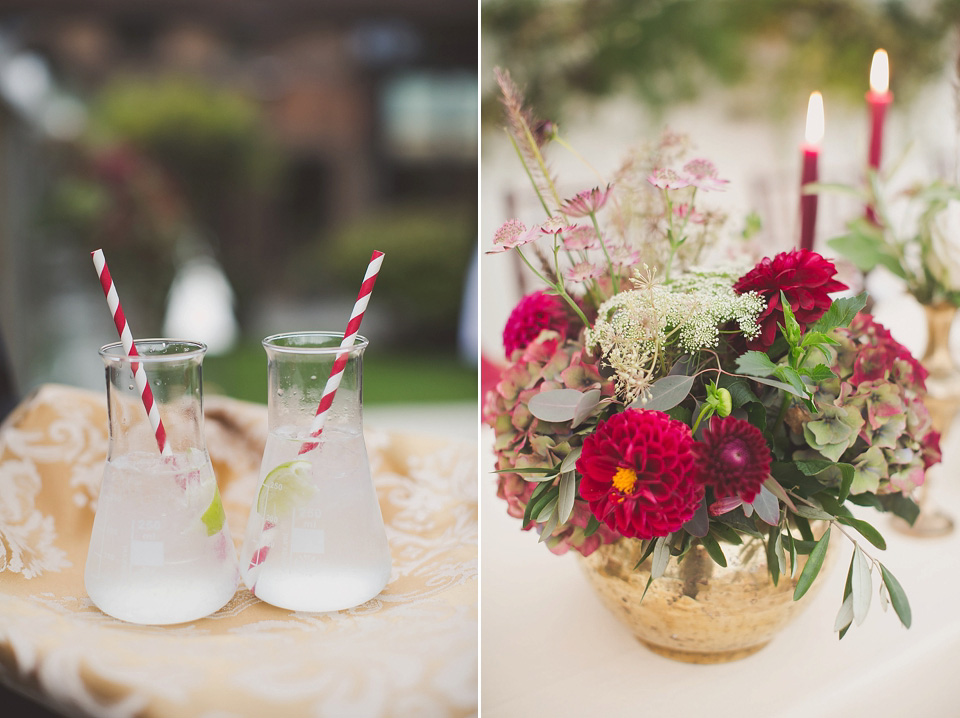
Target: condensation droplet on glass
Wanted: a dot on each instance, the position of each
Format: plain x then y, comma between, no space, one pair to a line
130,387
280,392
313,377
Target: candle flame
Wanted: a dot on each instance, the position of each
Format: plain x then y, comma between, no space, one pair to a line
814,133
880,71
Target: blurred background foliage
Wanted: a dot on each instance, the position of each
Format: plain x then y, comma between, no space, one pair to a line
279,145
668,51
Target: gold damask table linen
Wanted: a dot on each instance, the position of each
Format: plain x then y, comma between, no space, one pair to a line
411,651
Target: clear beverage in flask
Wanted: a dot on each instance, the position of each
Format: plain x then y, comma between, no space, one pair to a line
315,539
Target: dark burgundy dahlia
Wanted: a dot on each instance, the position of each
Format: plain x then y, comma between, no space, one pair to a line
733,458
638,477
805,278
534,313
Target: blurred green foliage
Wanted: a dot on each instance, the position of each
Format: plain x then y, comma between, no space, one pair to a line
388,376
201,133
667,51
428,251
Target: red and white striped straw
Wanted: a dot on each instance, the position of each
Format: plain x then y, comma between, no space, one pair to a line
340,363
126,338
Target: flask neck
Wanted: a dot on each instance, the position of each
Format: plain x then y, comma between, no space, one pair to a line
299,368
173,372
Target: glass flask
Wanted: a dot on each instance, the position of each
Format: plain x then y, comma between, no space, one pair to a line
160,551
315,540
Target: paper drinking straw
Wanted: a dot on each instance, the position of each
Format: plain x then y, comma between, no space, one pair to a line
349,337
126,338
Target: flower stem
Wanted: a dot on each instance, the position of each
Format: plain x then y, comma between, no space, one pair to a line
558,288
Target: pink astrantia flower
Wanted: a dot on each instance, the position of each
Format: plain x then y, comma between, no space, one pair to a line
555,225
582,271
581,238
586,203
624,256
512,233
702,174
664,178
685,211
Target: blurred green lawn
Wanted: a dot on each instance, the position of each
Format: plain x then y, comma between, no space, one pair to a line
389,376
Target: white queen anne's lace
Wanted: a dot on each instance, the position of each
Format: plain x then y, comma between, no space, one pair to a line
633,327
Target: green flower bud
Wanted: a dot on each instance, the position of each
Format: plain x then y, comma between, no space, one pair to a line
724,403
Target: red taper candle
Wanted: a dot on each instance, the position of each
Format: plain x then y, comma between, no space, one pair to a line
811,157
878,99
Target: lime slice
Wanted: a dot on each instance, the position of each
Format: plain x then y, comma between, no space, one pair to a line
284,487
214,517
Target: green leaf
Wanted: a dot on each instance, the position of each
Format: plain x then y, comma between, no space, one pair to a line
773,560
568,492
555,405
841,313
793,378
792,549
844,616
528,470
774,487
699,523
665,393
805,531
547,531
723,532
780,385
866,530
713,548
647,550
661,556
593,524
585,407
817,338
819,373
680,413
755,364
569,462
812,568
862,585
809,512
548,510
767,507
539,500
897,596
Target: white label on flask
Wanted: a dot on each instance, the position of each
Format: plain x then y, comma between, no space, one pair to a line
306,540
146,553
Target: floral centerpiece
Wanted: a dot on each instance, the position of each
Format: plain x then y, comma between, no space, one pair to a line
658,393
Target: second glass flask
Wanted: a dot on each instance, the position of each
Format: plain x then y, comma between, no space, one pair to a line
315,539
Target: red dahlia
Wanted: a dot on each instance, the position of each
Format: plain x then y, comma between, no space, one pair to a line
534,313
733,458
637,473
804,276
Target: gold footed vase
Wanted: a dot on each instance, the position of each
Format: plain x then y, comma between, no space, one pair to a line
942,401
698,611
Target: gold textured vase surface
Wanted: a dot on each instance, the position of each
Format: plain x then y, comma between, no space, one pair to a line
698,611
943,385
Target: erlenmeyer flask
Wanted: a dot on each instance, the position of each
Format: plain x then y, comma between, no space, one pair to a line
160,551
315,539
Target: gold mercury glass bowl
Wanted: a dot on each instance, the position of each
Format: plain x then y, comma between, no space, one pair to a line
698,611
